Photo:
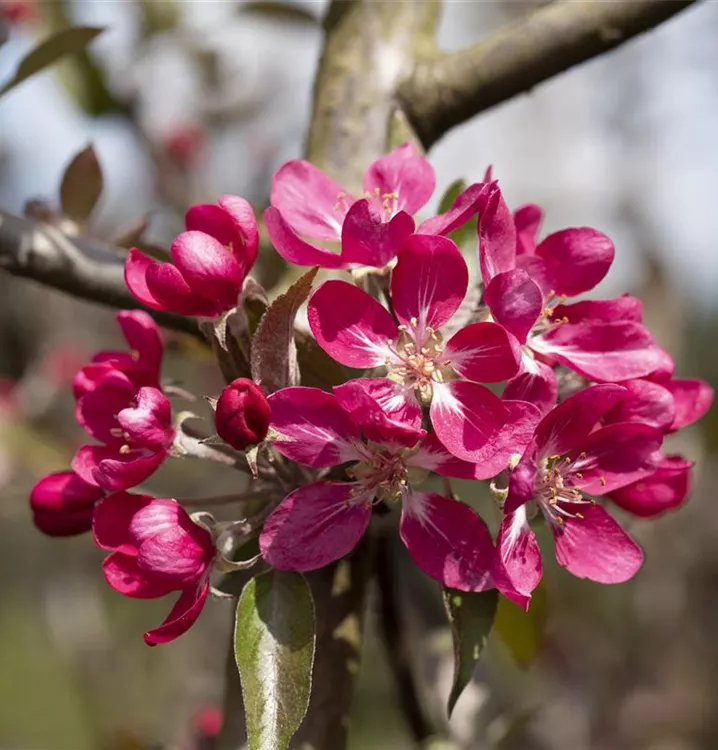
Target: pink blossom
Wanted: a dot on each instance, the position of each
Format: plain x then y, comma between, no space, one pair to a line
243,414
135,427
305,201
429,283
62,504
156,549
566,460
209,262
321,522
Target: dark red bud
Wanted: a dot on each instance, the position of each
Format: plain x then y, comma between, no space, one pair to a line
62,504
243,414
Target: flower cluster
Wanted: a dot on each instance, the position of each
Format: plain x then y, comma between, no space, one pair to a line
580,402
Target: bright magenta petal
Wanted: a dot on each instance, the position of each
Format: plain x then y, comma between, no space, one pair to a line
143,337
293,248
369,241
120,471
465,205
136,265
527,221
111,525
692,399
429,281
126,577
183,615
593,545
515,302
483,352
398,402
314,526
311,427
621,308
149,423
497,235
448,541
645,402
169,288
351,326
518,568
536,384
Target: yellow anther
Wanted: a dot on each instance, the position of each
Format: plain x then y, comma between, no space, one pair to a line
125,449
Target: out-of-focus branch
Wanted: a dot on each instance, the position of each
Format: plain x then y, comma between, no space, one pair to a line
448,89
84,268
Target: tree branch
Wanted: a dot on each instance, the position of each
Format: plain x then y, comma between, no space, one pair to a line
79,266
448,89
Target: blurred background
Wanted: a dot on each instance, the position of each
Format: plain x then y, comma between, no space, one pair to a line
185,101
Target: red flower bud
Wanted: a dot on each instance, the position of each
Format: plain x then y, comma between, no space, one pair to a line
243,414
62,504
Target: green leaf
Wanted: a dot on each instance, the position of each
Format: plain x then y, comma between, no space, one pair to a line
456,187
522,632
274,353
274,640
81,186
280,11
471,616
64,43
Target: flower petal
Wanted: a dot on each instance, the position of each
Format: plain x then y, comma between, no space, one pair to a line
515,302
448,541
465,416
149,423
136,266
143,338
396,401
169,288
518,568
621,308
126,577
497,235
113,516
311,427
527,221
97,410
483,352
536,383
522,480
692,399
465,205
120,471
576,259
293,248
405,173
429,281
310,201
607,352
351,326
62,504
594,546
183,615
314,526
645,402
368,241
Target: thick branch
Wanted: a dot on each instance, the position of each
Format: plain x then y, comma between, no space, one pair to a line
451,88
78,266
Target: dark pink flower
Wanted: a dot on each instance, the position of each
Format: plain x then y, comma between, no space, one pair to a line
141,364
305,201
209,262
243,414
62,504
156,549
135,427
428,284
321,522
567,460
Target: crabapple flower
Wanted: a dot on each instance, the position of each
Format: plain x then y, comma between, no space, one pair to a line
135,427
62,504
141,364
428,284
156,549
321,522
305,201
243,414
527,284
567,460
209,262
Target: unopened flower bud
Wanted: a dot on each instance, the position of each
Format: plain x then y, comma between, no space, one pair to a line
62,504
243,414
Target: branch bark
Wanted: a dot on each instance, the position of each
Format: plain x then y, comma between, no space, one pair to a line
81,267
448,89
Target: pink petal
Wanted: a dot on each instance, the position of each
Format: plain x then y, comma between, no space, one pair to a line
113,516
595,546
465,205
314,526
692,399
621,308
368,241
405,173
126,577
293,248
465,416
65,523
136,266
567,425
143,337
518,568
522,480
311,202
527,221
209,268
62,504
576,259
536,384
120,471
515,302
97,410
169,288
645,402
351,326
312,427
398,402
184,614
497,236
429,281
88,378
448,541
609,352
483,352
666,489
149,423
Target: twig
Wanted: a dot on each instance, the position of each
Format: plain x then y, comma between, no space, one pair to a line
448,89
